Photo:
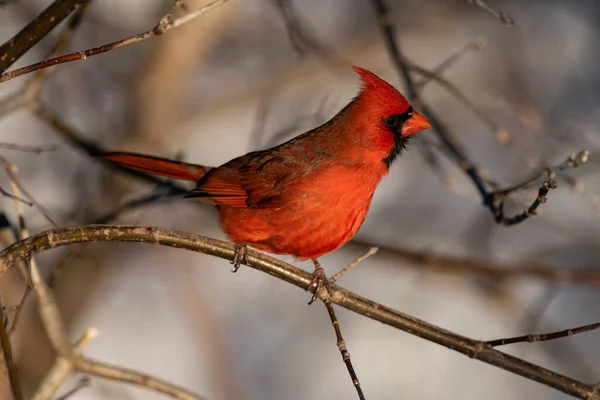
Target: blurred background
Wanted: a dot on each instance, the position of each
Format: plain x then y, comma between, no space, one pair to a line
239,79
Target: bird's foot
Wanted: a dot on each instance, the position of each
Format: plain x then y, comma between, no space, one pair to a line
319,282
239,256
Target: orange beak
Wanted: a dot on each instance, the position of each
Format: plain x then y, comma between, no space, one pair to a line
415,124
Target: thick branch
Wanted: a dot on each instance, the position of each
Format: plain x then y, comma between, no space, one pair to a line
472,348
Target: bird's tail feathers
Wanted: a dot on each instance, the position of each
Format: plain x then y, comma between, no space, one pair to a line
156,165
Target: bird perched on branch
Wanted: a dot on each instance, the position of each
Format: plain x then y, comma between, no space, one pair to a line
308,196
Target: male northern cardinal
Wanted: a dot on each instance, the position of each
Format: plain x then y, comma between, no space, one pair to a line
310,195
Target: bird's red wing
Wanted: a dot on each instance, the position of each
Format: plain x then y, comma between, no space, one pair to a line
256,180
222,185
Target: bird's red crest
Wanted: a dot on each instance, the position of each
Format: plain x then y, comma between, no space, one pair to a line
380,94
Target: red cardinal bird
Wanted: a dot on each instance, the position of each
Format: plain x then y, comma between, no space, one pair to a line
309,196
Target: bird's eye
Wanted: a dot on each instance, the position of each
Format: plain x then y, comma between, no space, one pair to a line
392,121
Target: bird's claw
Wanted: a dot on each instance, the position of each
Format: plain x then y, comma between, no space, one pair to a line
239,256
319,282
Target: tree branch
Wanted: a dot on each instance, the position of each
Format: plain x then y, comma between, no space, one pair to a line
543,337
430,261
69,359
500,16
472,348
493,200
36,30
158,30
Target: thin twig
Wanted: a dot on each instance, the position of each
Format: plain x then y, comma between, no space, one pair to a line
62,369
354,263
301,39
21,232
341,344
158,30
149,199
573,161
83,382
501,135
12,196
28,149
7,354
75,139
442,67
302,279
500,16
428,260
18,309
529,211
11,170
543,337
119,374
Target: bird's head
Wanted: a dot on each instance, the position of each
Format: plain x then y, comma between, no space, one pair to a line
387,119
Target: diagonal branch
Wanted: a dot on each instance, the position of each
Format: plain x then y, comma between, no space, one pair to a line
493,200
36,30
472,348
163,26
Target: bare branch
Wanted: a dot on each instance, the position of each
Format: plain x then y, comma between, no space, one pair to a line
158,30
83,382
500,16
69,360
62,369
75,139
302,279
450,61
341,344
7,355
354,263
543,337
491,200
11,170
36,30
29,94
28,149
18,309
426,259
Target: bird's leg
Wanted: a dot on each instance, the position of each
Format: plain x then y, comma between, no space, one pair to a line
239,256
319,280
